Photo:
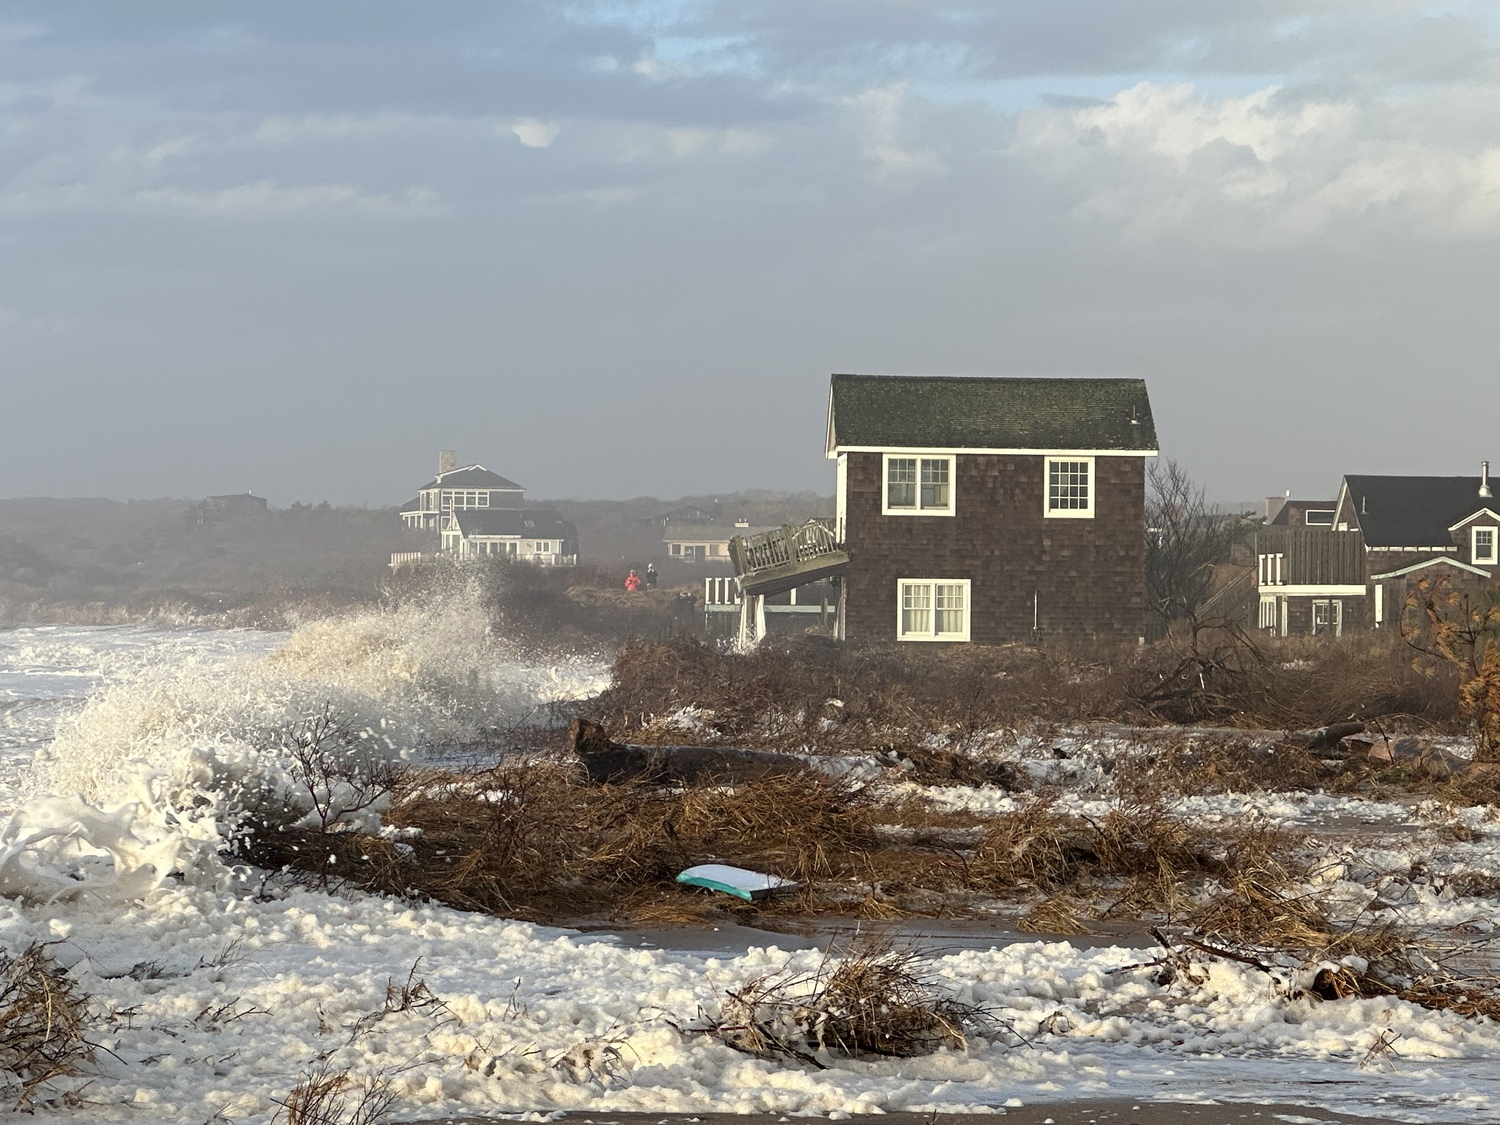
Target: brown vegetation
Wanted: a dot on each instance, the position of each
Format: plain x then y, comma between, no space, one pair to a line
536,840
812,691
871,998
43,1020
328,1095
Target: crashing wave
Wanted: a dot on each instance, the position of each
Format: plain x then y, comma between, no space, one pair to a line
151,777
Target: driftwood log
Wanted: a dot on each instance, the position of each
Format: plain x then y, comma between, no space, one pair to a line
1325,738
615,763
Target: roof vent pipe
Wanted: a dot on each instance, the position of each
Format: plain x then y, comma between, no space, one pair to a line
1484,479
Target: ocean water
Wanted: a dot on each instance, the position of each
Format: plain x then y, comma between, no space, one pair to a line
50,672
124,749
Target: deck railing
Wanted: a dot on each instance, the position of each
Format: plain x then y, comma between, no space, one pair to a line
788,545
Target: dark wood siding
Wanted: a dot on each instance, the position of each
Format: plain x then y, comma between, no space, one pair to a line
1082,577
1315,556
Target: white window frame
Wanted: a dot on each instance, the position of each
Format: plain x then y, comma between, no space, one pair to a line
932,583
919,456
1335,614
1085,513
1308,522
1494,555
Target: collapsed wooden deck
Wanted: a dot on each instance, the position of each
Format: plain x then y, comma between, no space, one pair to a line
788,556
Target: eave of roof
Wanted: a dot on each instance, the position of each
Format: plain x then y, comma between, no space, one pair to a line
990,414
478,477
1414,512
1425,563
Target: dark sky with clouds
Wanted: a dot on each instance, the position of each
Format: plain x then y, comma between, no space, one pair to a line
615,248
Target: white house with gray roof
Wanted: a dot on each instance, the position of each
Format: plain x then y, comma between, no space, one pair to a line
475,513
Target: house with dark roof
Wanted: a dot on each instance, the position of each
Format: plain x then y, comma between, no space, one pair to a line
1286,512
990,509
1387,535
455,489
536,535
475,513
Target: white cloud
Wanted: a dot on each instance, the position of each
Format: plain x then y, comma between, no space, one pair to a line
1269,168
882,111
536,134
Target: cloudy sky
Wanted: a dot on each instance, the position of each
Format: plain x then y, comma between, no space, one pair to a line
612,248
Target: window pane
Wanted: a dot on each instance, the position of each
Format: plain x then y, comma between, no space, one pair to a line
949,599
935,482
916,609
1484,543
1067,486
901,482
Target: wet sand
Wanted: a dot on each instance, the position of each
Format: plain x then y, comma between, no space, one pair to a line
932,935
1059,1113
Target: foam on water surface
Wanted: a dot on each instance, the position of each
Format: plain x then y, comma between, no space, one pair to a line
116,746
153,731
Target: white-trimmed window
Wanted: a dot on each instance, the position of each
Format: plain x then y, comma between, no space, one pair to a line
932,609
1318,517
1327,617
917,485
1070,487
1482,545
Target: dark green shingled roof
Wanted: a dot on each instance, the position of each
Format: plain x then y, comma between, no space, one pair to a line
915,412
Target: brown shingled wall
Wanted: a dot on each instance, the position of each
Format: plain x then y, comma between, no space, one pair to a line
1087,575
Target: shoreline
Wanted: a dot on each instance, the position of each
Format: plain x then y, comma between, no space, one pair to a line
1102,1112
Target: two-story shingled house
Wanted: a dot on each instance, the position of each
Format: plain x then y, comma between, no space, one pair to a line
455,489
1388,533
990,510
475,513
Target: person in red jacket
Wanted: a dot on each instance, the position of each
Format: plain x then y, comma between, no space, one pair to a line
632,582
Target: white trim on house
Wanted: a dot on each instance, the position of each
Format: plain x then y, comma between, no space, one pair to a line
919,456
1475,516
840,497
1084,513
956,450
1427,563
1447,549
1489,531
931,609
1268,611
1311,591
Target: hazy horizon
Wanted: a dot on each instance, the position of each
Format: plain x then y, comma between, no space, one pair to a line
614,249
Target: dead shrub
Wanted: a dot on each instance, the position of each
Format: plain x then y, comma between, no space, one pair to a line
1060,914
807,691
325,1095
1143,856
1035,846
412,995
870,998
43,1021
534,840
1266,911
1229,764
